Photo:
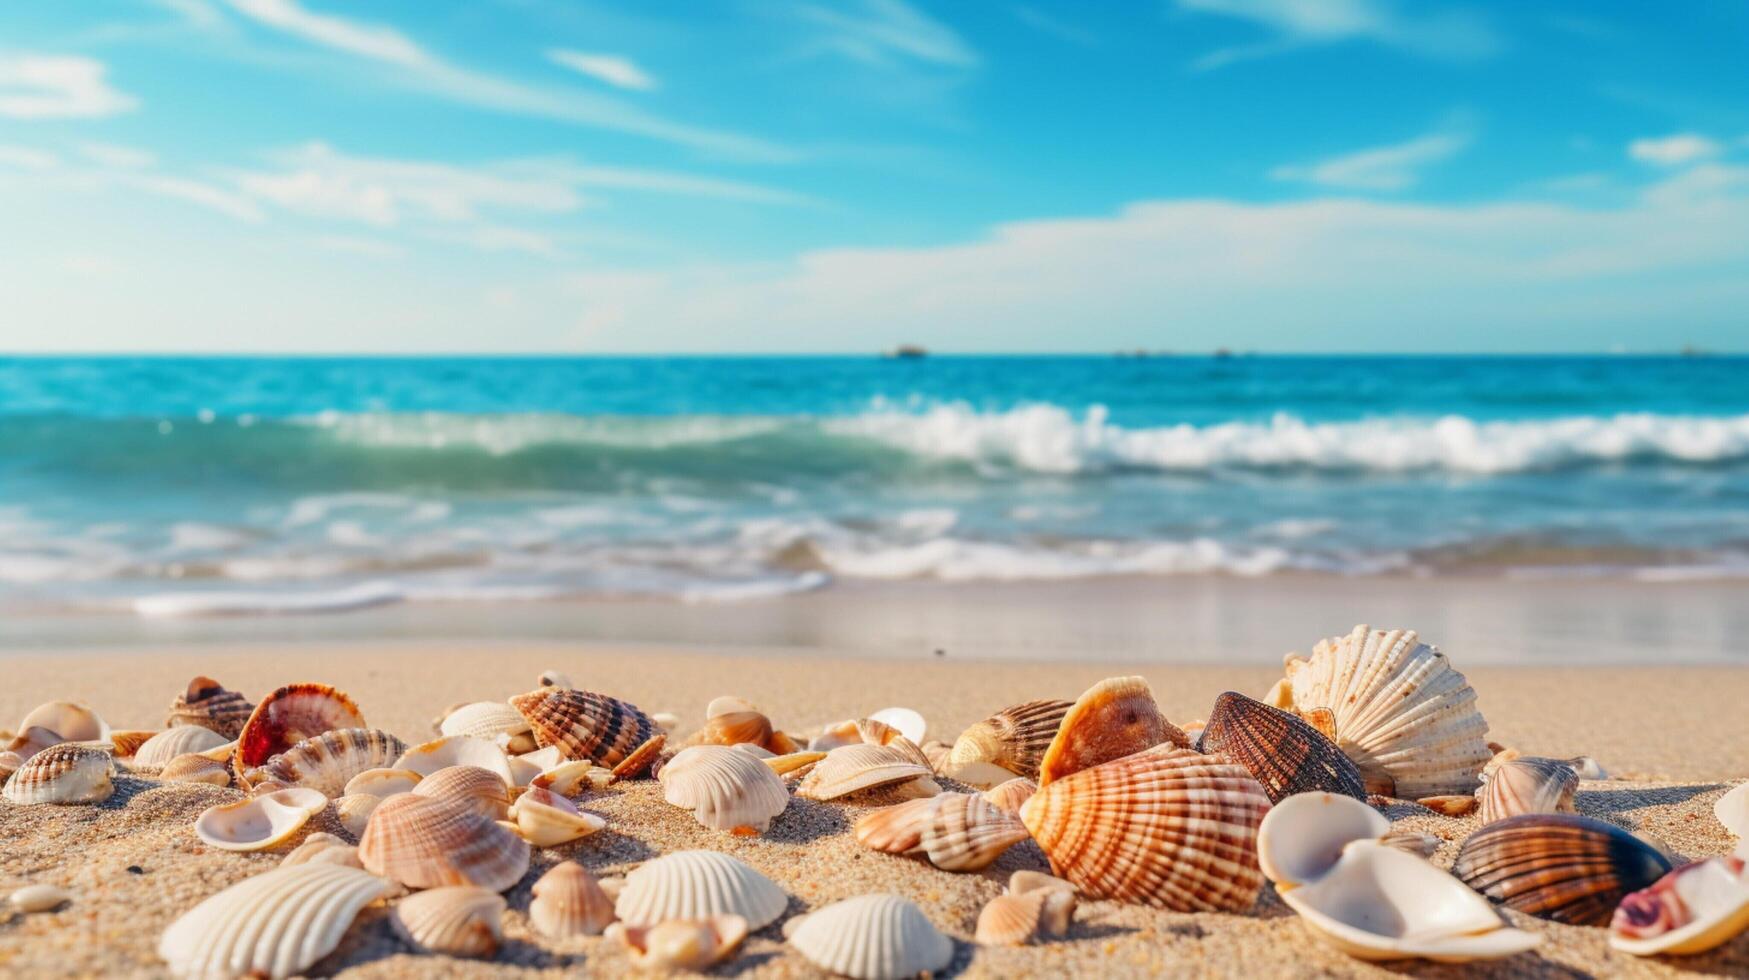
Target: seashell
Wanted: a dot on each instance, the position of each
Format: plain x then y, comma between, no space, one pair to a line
38,898
1697,907
569,902
323,848
276,924
1114,718
522,771
545,819
1587,767
288,716
1400,711
172,742
1011,920
864,730
1413,842
128,741
207,704
259,822
1732,811
220,753
479,790
424,843
666,720
456,750
545,758
738,727
327,762
353,810
728,704
1013,739
698,885
783,765
72,721
1527,785
872,937
195,768
1010,796
853,768
31,741
726,789
1280,751
517,744
909,723
456,920
1450,806
1167,827
641,758
64,773
937,752
1558,866
382,781
1059,906
1302,837
681,944
483,719
9,763
585,725
554,678
955,831
573,777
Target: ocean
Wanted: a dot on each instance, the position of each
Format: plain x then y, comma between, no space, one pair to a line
182,486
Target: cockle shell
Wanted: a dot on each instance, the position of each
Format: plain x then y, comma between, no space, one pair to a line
276,924
456,750
860,766
1697,907
1114,718
1528,784
585,725
737,727
323,848
484,719
480,790
128,741
546,819
72,721
172,742
1558,866
1011,920
382,782
1167,826
456,920
66,773
726,788
955,831
259,822
1405,716
353,810
872,937
698,885
680,944
288,716
195,768
327,762
207,704
1279,750
1013,740
1011,795
569,902
424,843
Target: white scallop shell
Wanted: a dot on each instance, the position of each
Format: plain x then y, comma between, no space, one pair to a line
859,766
259,822
725,788
872,937
484,719
698,885
455,920
909,723
172,742
382,782
456,750
276,924
546,819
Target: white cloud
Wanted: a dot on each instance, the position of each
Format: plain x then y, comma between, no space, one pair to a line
195,192
1380,168
496,238
27,158
117,156
37,86
652,181
366,40
612,69
1675,150
1450,35
885,32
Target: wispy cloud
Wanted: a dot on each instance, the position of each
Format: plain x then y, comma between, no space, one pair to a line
1675,150
117,156
191,191
1380,168
374,248
27,158
40,86
1454,35
111,167
610,68
887,33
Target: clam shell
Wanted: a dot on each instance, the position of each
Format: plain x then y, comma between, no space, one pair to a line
457,750
158,750
1011,920
1302,837
1697,907
738,727
479,790
327,762
1558,866
1529,784
1014,739
585,725
276,924
546,819
353,810
288,716
725,788
1010,796
64,773
457,920
698,885
259,822
1399,709
1167,827
382,782
569,902
1114,718
128,741
425,843
680,944
72,721
323,848
872,937
207,704
853,768
195,768
1279,750
955,831
484,719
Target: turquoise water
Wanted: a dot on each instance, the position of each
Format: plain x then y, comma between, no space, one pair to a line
171,485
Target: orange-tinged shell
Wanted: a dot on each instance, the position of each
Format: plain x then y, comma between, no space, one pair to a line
1010,796
425,843
1279,750
480,790
327,762
568,901
641,758
288,716
458,920
681,944
955,831
206,703
738,727
1114,718
1011,920
1014,738
1558,866
585,725
66,773
1528,784
1167,827
128,741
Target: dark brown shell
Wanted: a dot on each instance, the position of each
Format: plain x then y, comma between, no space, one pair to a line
206,703
585,725
1280,751
1014,738
288,716
1558,866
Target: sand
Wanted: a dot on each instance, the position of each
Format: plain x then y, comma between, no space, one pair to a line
1673,738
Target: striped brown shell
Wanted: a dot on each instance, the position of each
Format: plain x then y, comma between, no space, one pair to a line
327,762
955,831
585,725
1280,751
1528,784
1014,738
427,843
288,716
208,704
1114,718
1558,866
70,772
1167,827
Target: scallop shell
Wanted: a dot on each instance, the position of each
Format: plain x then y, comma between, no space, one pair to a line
585,725
738,727
1167,827
1558,866
382,782
276,924
456,920
546,819
1011,795
1280,751
681,944
259,822
569,902
1697,907
64,773
72,721
1405,716
172,742
725,788
323,848
853,768
327,762
1013,739
195,768
480,790
1114,718
128,741
353,810
955,831
1059,907
207,704
484,719
1011,920
698,885
872,937
288,716
456,750
424,843
1529,784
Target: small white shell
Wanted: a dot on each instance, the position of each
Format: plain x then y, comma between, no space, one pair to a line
724,787
322,847
484,719
456,920
382,782
909,723
72,721
681,944
259,822
38,898
172,742
456,750
872,937
354,809
276,924
698,885
568,901
572,777
546,819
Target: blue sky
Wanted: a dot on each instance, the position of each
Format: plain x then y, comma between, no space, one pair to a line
308,175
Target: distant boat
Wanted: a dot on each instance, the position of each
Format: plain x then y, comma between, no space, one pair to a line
908,352
1222,353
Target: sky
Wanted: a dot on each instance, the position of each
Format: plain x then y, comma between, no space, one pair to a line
844,175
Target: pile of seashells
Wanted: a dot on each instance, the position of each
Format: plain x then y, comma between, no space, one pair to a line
1126,805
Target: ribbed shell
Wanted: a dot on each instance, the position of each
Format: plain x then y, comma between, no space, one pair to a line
698,885
327,762
458,920
568,901
158,750
1279,750
128,741
742,727
426,843
484,719
64,773
1401,711
1529,784
478,789
1167,827
195,768
859,766
873,937
585,725
955,831
1112,719
1014,738
725,788
456,750
207,704
1558,866
1011,920
288,716
1011,795
275,924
